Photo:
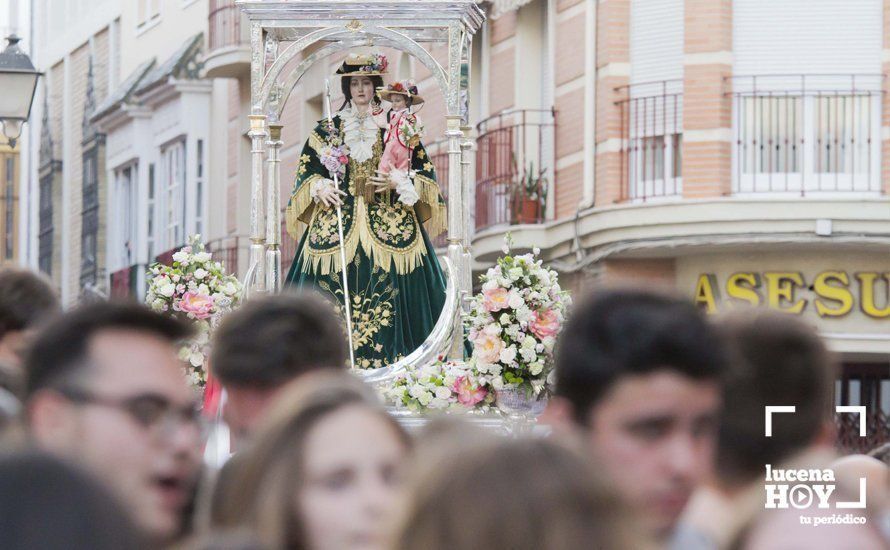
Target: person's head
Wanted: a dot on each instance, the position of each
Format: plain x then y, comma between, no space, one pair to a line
512,493
361,90
104,387
26,301
324,471
46,503
399,101
639,374
774,360
268,342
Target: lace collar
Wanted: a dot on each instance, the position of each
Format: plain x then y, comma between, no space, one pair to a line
360,133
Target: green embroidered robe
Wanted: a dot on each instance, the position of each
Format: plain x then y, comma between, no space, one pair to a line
395,281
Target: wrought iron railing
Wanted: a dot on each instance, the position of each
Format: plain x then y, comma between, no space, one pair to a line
877,431
806,133
651,139
514,167
224,24
226,250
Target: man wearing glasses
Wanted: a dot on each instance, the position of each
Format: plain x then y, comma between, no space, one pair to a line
104,388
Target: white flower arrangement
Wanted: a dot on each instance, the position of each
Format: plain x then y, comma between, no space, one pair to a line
514,321
196,289
442,386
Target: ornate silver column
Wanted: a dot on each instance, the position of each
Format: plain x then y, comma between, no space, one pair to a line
257,219
468,182
456,223
273,210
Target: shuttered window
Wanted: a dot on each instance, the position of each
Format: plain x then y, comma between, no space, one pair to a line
807,36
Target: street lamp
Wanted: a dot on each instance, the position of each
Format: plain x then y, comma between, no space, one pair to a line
18,80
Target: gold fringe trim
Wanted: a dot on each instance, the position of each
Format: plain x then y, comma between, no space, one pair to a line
329,262
430,211
300,207
403,260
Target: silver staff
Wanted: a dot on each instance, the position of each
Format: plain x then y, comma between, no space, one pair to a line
343,266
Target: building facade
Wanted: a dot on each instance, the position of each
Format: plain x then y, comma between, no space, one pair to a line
737,151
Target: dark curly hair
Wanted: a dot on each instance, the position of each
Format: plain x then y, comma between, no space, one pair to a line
376,80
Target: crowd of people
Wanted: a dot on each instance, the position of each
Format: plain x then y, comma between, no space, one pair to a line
653,437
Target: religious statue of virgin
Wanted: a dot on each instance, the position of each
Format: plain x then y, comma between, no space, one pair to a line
395,284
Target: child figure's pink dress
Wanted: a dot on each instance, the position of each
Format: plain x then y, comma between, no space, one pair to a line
396,154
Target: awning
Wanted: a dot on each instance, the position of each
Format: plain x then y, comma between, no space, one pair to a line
500,7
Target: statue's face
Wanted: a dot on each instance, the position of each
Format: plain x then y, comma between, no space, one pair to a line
362,90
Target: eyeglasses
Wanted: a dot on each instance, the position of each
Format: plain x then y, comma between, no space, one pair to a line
154,413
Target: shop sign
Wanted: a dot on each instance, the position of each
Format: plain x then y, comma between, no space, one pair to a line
830,294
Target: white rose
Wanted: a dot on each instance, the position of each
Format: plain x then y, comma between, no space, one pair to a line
200,273
416,390
529,342
196,359
425,398
167,290
523,314
536,368
514,300
536,251
528,355
180,256
203,257
203,289
505,319
508,355
495,370
513,331
539,348
442,392
490,284
515,273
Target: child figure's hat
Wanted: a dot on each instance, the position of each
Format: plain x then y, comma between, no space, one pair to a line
402,87
364,64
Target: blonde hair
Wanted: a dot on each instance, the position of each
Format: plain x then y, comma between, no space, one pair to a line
265,478
522,494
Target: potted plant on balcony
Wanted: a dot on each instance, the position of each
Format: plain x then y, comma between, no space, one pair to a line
530,195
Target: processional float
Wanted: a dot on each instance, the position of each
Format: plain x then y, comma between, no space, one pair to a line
307,32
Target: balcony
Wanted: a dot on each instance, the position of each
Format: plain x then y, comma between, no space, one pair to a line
651,140
807,134
514,167
226,250
228,52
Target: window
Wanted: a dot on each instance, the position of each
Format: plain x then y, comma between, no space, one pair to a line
10,200
89,236
124,238
199,189
45,235
173,185
148,11
818,134
152,213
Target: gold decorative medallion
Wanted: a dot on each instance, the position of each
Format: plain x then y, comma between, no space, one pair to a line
355,25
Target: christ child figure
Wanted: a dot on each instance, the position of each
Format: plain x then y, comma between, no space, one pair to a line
403,128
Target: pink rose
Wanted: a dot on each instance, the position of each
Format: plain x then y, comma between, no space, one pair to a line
487,347
544,323
495,299
198,305
467,393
